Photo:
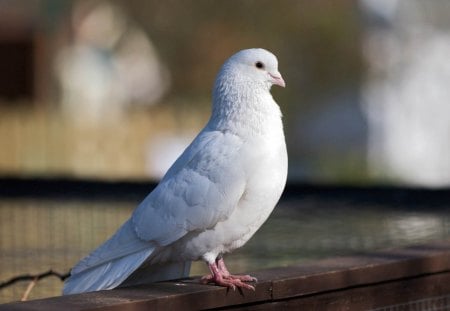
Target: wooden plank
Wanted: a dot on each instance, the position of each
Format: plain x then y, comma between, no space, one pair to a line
182,295
363,280
338,273
405,294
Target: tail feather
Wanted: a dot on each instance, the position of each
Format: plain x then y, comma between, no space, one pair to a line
121,260
106,276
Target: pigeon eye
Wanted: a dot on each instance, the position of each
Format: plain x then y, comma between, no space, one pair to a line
259,65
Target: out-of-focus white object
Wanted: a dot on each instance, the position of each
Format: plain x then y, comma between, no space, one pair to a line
110,64
407,91
162,151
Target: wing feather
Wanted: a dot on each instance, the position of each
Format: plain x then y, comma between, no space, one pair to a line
124,242
201,189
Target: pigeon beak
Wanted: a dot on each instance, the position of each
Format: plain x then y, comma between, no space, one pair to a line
277,79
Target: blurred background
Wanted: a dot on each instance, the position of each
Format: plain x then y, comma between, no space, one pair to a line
115,90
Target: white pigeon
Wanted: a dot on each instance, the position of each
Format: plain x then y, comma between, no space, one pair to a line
213,198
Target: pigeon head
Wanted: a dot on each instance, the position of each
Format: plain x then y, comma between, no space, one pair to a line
243,84
255,66
259,65
252,68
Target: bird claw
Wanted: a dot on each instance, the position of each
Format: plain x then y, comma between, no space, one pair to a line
233,283
230,281
244,278
222,277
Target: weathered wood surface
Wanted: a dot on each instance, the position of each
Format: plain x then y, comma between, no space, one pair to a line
362,282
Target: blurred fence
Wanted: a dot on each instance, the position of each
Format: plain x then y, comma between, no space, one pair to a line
39,235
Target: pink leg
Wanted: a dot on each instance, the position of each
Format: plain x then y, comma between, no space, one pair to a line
222,277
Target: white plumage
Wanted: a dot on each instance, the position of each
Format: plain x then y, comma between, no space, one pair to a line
213,198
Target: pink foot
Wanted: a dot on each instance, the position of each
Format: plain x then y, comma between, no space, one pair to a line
222,277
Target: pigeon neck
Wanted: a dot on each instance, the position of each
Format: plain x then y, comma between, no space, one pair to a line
242,106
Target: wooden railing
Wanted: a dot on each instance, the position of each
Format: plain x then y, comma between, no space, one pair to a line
412,278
